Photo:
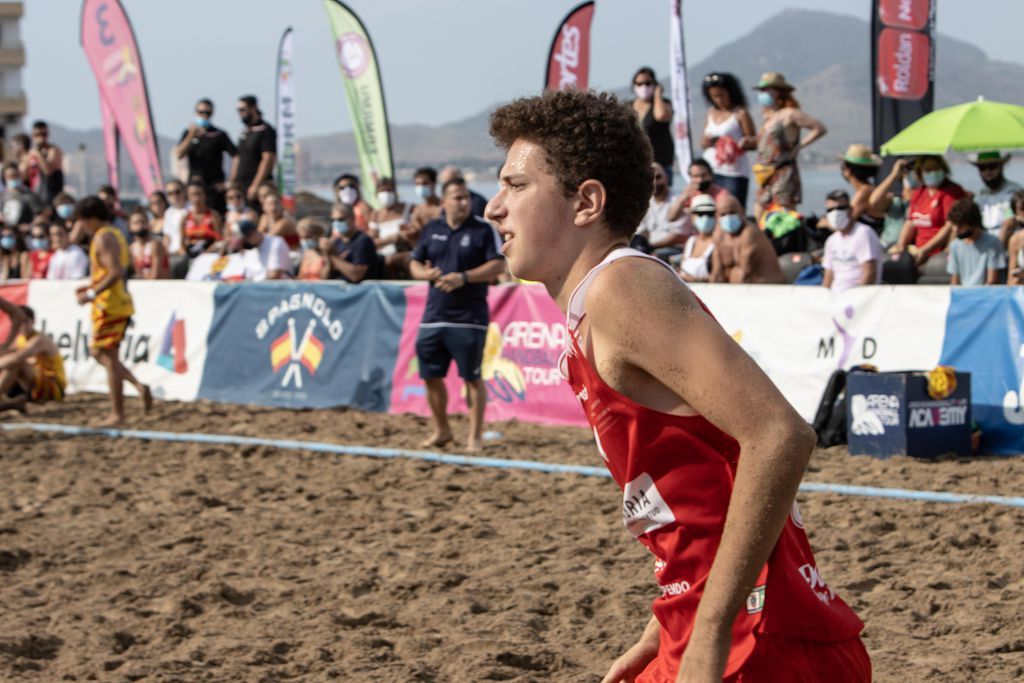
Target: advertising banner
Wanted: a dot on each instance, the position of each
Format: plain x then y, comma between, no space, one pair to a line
16,294
569,56
111,145
300,345
113,54
285,121
165,345
364,94
680,92
902,64
520,366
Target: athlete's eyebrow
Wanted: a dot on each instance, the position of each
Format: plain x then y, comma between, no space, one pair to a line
509,177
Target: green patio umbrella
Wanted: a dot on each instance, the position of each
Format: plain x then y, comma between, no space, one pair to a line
971,127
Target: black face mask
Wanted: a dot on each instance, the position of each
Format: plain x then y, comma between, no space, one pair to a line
247,119
704,185
141,234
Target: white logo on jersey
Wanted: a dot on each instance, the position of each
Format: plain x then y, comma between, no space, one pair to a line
643,508
816,583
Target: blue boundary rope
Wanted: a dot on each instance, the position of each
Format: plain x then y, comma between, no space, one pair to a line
476,461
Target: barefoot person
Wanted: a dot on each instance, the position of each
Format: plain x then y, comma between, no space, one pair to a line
458,254
707,451
33,370
111,304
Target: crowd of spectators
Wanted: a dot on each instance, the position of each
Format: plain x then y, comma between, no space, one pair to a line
914,223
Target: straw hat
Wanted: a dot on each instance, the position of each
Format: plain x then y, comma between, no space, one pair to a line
988,157
861,155
773,79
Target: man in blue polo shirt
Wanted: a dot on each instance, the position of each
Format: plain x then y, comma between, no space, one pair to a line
458,254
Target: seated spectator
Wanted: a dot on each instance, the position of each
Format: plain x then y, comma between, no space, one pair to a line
744,254
33,370
976,256
859,168
386,222
234,198
926,228
148,254
1016,259
36,260
701,182
313,263
352,255
202,226
477,202
1015,222
695,261
64,208
12,250
20,204
69,261
157,207
109,196
265,189
853,254
276,221
656,233
997,191
429,208
174,218
893,206
346,189
264,257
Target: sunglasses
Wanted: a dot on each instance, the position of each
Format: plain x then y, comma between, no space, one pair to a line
989,167
712,78
643,82
204,112
704,213
173,191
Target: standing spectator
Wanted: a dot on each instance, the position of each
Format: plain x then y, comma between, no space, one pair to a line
853,254
257,150
657,234
36,260
264,257
860,166
458,256
148,255
12,249
893,205
694,266
477,202
778,144
926,226
69,261
350,252
276,221
313,263
654,113
744,255
994,197
976,256
204,145
202,226
728,133
43,164
20,145
347,190
157,208
701,182
387,222
174,218
64,207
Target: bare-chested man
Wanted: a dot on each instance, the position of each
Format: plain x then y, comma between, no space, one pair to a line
34,369
744,255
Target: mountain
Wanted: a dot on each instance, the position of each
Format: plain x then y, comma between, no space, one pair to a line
825,55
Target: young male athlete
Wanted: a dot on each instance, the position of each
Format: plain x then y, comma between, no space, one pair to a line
707,451
111,304
33,370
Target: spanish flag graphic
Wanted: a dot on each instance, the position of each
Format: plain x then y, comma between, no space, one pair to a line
312,353
281,351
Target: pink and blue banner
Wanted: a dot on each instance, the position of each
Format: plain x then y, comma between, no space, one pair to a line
113,54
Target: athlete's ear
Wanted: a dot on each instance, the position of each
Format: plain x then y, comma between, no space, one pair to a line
591,197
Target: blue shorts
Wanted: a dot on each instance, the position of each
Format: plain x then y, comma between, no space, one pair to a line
436,347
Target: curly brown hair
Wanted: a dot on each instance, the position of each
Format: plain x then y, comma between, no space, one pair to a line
964,212
586,135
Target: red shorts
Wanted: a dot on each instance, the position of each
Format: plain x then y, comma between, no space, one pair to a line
781,659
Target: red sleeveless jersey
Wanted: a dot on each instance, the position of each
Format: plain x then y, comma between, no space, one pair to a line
676,474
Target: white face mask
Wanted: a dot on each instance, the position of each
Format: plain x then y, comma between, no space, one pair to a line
838,219
643,92
348,195
387,198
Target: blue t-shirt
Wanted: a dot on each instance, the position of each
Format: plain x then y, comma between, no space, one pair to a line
360,251
469,246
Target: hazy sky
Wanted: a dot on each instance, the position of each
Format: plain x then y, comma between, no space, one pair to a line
441,60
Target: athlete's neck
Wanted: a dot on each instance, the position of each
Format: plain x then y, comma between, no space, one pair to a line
592,254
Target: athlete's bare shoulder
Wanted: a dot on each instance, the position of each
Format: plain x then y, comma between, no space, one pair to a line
631,289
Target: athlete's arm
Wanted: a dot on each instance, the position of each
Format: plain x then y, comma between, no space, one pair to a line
34,347
630,665
715,377
15,319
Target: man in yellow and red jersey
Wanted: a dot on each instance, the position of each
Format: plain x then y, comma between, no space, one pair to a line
111,304
33,370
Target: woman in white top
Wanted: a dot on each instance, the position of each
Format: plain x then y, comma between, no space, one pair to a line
729,132
387,221
695,261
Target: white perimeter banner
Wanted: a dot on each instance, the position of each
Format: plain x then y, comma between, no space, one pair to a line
800,335
165,345
680,92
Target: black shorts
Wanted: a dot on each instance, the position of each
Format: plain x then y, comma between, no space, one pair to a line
436,347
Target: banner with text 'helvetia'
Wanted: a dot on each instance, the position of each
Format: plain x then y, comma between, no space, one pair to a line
285,121
364,93
113,54
569,56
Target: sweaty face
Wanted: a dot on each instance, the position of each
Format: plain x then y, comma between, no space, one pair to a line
532,214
